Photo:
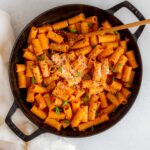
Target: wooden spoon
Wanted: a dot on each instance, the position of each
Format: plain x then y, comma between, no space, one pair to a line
121,27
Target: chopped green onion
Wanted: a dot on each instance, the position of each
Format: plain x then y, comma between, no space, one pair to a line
42,57
78,74
33,80
57,110
86,98
60,69
119,65
38,58
66,121
65,103
116,32
73,30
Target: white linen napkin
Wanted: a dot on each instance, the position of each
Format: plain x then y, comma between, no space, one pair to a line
8,140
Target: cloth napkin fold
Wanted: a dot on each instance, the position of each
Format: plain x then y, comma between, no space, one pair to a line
8,140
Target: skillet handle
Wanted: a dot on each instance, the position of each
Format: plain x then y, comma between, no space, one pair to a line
17,131
134,10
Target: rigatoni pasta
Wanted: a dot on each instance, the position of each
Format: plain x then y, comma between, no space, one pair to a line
76,77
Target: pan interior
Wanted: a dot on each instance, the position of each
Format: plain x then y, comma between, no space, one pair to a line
59,14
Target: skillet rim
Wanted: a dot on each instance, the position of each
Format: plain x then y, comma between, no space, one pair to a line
27,112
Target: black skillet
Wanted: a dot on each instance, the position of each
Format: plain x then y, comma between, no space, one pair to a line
58,14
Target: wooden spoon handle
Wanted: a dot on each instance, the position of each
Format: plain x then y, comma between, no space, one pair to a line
121,27
131,25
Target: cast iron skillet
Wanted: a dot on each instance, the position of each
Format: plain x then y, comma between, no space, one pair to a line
58,14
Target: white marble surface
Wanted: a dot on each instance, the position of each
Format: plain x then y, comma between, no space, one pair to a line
133,131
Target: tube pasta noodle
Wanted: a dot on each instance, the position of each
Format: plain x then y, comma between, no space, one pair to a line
123,44
84,27
93,40
110,45
77,118
125,92
21,80
97,74
32,34
75,104
37,47
101,119
38,112
59,47
92,19
37,74
131,58
60,25
95,52
120,64
20,67
55,37
110,89
44,29
43,41
76,18
47,99
44,68
30,48
106,25
116,55
75,74
126,73
29,65
121,98
29,56
131,79
116,85
83,51
119,75
108,109
92,110
112,99
85,117
40,100
55,115
106,53
68,111
53,123
106,38
30,96
38,89
103,99
81,44
86,125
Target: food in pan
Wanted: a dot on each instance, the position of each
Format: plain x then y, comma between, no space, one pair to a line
76,77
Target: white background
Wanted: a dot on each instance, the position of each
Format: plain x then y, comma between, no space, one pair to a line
133,131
